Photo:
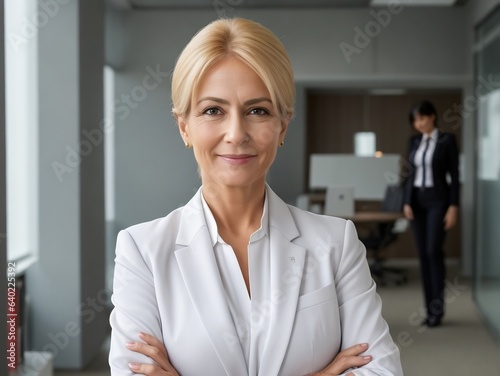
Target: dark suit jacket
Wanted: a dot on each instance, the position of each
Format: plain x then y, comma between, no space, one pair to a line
444,160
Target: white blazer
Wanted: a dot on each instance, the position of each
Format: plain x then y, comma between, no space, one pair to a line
166,283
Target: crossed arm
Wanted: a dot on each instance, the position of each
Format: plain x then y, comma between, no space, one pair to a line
155,349
148,355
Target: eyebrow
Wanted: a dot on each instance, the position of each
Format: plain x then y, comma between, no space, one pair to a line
223,101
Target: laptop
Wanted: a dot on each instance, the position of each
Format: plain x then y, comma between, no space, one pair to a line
339,201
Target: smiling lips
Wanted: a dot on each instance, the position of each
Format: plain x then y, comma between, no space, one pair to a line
237,159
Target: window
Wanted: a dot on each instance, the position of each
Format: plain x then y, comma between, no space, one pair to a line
21,128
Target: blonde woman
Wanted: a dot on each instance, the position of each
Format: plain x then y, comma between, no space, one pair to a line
237,282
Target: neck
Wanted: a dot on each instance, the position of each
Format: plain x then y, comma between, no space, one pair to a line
428,134
236,209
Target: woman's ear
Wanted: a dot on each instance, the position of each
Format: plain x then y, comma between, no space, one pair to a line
284,125
181,121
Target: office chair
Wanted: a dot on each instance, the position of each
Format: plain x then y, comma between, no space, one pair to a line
386,233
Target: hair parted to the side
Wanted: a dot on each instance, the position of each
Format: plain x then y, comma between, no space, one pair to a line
251,42
423,108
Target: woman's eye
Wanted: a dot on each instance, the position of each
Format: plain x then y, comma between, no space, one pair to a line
212,111
259,111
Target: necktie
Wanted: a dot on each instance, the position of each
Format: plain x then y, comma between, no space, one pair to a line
424,167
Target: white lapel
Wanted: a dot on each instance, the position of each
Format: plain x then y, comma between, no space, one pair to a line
200,274
287,265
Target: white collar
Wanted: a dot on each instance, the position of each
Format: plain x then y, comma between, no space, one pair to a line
192,218
212,224
433,136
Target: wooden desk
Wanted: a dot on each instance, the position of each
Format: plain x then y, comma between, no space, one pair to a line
316,198
361,216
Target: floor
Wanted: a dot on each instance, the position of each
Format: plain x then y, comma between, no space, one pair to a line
462,346
489,297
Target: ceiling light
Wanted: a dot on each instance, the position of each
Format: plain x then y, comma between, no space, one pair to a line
387,91
413,3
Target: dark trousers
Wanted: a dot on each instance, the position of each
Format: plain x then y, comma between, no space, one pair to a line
429,233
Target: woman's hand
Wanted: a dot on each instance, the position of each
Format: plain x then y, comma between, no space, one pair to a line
156,350
450,218
408,212
344,360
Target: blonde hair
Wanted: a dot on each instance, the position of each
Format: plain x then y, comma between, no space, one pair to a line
251,42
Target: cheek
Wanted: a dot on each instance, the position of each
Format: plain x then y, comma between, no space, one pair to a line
267,136
269,152
197,157
204,139
202,151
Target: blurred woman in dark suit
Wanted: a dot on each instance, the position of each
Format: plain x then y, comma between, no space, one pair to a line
430,202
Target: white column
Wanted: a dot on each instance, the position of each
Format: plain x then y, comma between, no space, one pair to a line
66,285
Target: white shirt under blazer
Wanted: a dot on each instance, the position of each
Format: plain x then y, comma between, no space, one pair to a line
419,162
320,297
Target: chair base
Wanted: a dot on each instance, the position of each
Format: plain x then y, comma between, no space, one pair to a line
382,274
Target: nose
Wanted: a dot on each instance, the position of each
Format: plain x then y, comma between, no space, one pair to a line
236,131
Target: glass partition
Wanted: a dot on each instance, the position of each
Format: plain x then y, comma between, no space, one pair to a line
487,77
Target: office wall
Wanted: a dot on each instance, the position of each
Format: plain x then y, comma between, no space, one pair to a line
477,10
65,287
57,259
336,117
154,174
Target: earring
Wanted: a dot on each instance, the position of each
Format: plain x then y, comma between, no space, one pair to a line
282,143
186,144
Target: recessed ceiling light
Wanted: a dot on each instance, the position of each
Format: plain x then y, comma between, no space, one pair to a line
414,3
387,91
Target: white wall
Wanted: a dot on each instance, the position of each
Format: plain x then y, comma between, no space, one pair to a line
155,174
